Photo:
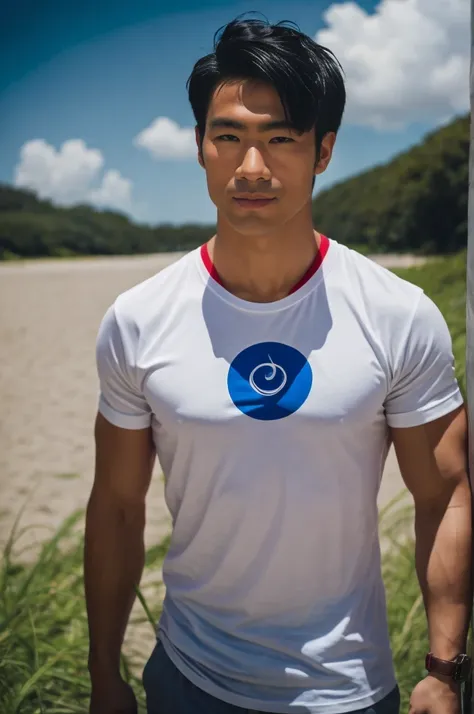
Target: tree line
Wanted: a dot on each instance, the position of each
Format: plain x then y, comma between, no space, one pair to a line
416,203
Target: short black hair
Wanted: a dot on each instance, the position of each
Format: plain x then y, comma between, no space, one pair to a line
307,76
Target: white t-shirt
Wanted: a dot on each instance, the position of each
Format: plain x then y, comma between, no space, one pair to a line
270,424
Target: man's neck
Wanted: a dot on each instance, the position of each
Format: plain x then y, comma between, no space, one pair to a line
263,268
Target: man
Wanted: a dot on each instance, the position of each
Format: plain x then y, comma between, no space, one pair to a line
270,370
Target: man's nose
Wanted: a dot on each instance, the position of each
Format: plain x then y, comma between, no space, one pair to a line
253,166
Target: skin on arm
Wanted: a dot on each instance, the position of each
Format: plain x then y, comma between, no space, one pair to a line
433,463
114,541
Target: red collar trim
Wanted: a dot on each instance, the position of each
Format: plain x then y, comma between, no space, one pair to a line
209,265
313,268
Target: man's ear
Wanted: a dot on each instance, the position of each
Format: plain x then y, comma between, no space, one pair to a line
199,146
325,153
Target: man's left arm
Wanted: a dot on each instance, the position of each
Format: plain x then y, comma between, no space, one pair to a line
433,464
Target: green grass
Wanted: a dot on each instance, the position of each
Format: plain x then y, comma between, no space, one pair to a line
406,616
43,627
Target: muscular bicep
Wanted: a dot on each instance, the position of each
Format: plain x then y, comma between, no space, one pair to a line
433,456
124,460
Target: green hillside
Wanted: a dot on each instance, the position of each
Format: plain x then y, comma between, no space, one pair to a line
30,227
415,203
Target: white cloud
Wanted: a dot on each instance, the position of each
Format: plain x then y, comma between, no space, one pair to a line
114,191
165,139
66,176
407,62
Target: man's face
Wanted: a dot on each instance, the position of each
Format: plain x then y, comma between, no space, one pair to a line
259,170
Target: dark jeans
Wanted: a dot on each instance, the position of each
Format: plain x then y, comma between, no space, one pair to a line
169,692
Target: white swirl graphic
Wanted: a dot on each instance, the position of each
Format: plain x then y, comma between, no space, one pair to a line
274,368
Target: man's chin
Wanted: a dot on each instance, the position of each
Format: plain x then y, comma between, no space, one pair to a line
252,225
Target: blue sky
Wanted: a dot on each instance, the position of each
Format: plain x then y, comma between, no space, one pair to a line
97,74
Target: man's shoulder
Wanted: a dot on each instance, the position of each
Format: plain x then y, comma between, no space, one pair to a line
375,275
382,291
398,314
151,295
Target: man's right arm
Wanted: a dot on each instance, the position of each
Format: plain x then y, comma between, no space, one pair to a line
114,551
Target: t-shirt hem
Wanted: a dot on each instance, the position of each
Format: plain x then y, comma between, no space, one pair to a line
236,700
124,421
426,415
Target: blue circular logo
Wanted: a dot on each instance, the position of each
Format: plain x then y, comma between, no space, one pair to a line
269,381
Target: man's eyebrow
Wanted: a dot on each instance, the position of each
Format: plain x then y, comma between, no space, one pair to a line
227,123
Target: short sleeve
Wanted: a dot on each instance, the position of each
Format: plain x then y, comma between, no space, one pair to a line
424,385
120,400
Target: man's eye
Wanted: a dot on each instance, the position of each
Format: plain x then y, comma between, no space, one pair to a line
281,140
227,137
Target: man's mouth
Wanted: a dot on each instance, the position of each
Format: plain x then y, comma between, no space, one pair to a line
253,202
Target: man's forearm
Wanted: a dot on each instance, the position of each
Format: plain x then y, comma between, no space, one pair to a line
443,562
113,565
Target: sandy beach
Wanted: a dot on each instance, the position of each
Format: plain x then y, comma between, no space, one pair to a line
51,310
